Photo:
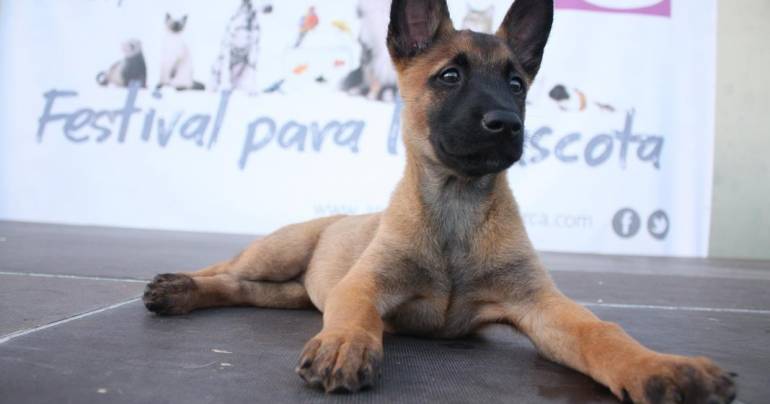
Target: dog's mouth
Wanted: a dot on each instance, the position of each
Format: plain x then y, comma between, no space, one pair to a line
480,162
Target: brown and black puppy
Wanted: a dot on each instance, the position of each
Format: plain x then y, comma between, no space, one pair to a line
450,253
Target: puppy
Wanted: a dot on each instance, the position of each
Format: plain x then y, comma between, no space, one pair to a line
450,253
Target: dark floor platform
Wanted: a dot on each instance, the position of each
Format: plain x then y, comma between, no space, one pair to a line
72,329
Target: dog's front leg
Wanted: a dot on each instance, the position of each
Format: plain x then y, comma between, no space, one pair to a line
346,354
568,333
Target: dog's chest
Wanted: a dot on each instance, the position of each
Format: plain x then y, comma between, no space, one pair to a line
443,287
442,302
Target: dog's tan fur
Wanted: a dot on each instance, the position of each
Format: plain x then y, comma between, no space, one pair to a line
448,255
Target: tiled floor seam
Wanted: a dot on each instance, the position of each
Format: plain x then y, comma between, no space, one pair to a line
77,277
20,333
676,308
738,274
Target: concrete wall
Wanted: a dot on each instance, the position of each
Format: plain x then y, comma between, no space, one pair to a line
740,224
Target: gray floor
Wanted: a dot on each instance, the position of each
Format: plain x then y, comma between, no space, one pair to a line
72,330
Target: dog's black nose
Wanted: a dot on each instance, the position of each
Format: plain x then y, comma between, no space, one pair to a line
502,121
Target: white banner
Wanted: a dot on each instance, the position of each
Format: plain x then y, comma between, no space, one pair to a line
272,112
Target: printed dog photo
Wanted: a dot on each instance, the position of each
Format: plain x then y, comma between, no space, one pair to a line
236,65
375,78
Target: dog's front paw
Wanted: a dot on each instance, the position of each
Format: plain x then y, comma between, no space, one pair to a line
170,294
677,379
341,361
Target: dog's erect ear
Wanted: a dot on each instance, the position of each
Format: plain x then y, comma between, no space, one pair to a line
525,29
168,17
415,25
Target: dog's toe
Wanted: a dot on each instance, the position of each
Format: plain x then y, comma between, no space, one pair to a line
340,362
673,379
169,294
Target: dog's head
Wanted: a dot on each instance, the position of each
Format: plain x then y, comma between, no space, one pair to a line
464,92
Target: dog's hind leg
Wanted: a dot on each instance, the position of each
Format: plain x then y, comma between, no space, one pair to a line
266,274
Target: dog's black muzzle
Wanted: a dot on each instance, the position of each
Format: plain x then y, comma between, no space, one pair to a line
491,146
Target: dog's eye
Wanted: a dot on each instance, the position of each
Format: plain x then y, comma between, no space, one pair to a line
516,85
450,75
